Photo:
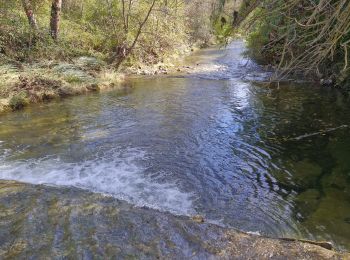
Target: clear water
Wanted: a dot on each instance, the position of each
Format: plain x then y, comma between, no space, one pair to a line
269,160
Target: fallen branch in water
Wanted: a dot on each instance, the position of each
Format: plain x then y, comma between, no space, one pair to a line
318,133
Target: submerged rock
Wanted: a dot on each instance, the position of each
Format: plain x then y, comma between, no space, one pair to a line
39,222
307,202
329,219
306,173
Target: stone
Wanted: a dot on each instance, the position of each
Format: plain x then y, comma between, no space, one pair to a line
41,222
198,219
93,87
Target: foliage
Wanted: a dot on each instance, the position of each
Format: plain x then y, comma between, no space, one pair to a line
54,48
18,101
109,30
298,36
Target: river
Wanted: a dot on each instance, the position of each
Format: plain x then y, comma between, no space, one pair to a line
216,142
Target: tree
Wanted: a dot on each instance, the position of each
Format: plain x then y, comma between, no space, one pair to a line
30,14
55,18
125,50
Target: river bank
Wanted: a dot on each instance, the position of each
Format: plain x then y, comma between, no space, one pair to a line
41,221
22,84
46,51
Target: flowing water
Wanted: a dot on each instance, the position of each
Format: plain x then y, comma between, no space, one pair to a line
216,142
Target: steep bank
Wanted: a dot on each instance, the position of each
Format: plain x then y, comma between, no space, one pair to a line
41,221
300,38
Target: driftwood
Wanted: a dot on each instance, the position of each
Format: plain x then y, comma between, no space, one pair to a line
318,133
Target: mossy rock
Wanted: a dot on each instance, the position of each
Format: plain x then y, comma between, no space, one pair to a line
18,101
93,87
90,63
72,73
65,91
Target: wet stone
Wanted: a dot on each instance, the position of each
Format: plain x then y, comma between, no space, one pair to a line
44,222
198,219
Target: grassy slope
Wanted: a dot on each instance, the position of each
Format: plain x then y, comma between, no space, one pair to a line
33,68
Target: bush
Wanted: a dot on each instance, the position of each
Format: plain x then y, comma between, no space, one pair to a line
304,37
18,101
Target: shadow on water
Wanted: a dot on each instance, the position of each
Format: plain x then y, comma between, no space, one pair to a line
211,142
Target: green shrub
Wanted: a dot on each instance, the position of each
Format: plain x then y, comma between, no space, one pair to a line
73,79
18,101
308,38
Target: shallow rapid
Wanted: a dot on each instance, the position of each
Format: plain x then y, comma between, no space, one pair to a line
216,142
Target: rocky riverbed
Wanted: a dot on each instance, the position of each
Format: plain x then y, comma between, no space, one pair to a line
40,222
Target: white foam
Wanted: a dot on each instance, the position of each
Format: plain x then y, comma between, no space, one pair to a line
118,175
256,233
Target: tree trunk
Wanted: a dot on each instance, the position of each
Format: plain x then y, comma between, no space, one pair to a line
30,14
124,51
55,18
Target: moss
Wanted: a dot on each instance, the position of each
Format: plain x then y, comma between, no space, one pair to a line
73,79
45,80
18,101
